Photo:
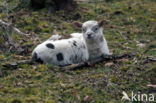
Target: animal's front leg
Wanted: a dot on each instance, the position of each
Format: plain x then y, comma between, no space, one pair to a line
105,49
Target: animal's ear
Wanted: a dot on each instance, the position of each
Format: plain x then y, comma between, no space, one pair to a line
102,22
77,24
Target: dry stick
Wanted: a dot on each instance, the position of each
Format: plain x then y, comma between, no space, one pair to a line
12,27
74,66
15,64
149,59
82,65
99,60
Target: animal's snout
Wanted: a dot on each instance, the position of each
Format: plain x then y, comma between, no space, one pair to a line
89,35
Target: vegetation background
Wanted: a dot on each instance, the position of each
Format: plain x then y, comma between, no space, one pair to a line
131,29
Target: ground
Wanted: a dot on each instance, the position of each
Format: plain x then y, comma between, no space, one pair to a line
131,28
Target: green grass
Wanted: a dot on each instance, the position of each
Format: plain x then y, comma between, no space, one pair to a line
131,22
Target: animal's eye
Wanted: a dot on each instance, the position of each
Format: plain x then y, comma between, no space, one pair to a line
84,29
95,28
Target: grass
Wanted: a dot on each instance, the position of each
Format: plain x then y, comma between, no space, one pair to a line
132,23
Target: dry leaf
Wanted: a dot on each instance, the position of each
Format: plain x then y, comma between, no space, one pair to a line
141,45
87,98
151,85
109,64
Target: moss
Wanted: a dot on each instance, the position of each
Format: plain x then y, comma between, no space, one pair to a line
67,27
89,15
130,22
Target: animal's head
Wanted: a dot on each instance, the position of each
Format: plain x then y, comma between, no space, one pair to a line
91,29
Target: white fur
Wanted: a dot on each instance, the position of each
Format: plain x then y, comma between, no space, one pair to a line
96,47
85,49
77,35
65,47
55,37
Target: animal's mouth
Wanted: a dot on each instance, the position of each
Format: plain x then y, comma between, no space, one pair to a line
89,37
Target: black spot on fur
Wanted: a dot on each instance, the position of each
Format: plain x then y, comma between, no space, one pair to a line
39,60
51,46
75,43
36,58
60,57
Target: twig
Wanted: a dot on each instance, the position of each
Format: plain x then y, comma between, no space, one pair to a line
12,27
15,64
99,60
151,85
149,59
74,66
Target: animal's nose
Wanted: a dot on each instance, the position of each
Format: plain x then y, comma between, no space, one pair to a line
89,35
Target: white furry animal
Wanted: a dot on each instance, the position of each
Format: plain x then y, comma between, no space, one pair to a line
81,47
92,34
61,52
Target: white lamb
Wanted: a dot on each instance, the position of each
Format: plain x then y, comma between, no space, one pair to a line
92,34
61,52
81,47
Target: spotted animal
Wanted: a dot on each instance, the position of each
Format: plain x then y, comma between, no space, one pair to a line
80,47
61,52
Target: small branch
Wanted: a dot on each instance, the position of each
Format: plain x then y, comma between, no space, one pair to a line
74,66
12,27
15,64
149,59
151,85
99,60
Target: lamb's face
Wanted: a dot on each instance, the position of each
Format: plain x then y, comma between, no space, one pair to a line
91,30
